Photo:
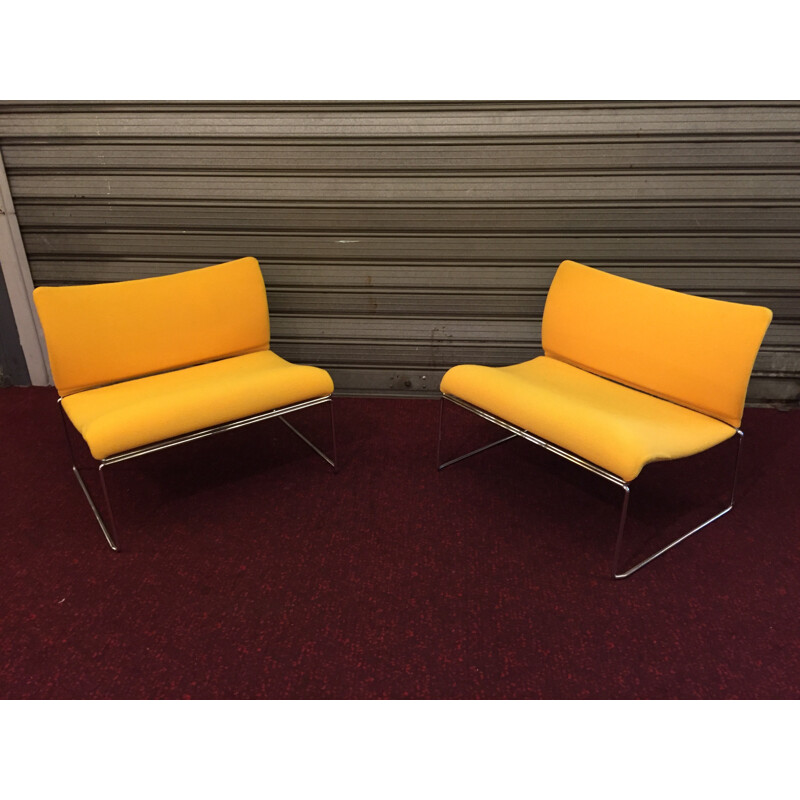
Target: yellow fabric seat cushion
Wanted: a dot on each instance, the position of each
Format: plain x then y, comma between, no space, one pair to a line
611,425
123,416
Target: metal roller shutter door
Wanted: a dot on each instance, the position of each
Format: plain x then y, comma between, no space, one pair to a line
397,239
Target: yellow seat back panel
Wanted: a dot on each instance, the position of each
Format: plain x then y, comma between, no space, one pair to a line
691,350
613,426
103,333
120,417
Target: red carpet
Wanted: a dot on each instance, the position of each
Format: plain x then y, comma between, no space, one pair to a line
250,570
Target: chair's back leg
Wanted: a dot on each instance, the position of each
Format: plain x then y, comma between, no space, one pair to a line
333,437
740,434
617,549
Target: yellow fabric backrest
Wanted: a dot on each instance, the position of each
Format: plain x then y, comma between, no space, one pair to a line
694,351
109,332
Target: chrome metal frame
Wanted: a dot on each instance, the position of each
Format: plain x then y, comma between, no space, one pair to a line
110,529
581,462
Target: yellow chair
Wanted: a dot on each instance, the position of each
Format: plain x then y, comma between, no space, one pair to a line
147,364
631,374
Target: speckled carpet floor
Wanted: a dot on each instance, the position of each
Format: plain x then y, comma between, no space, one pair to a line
249,569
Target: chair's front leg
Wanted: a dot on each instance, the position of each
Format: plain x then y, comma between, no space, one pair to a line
618,574
109,534
106,532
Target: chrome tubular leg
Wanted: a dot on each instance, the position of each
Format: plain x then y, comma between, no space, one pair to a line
466,455
333,437
740,434
439,440
109,537
618,574
316,449
618,548
76,470
111,520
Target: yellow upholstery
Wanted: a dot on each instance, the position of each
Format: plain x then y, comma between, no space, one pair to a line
679,367
109,332
123,416
692,350
140,361
608,424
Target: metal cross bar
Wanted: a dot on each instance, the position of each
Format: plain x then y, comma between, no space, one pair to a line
575,459
530,437
109,528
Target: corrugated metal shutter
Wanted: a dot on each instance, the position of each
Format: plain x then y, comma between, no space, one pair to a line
398,239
